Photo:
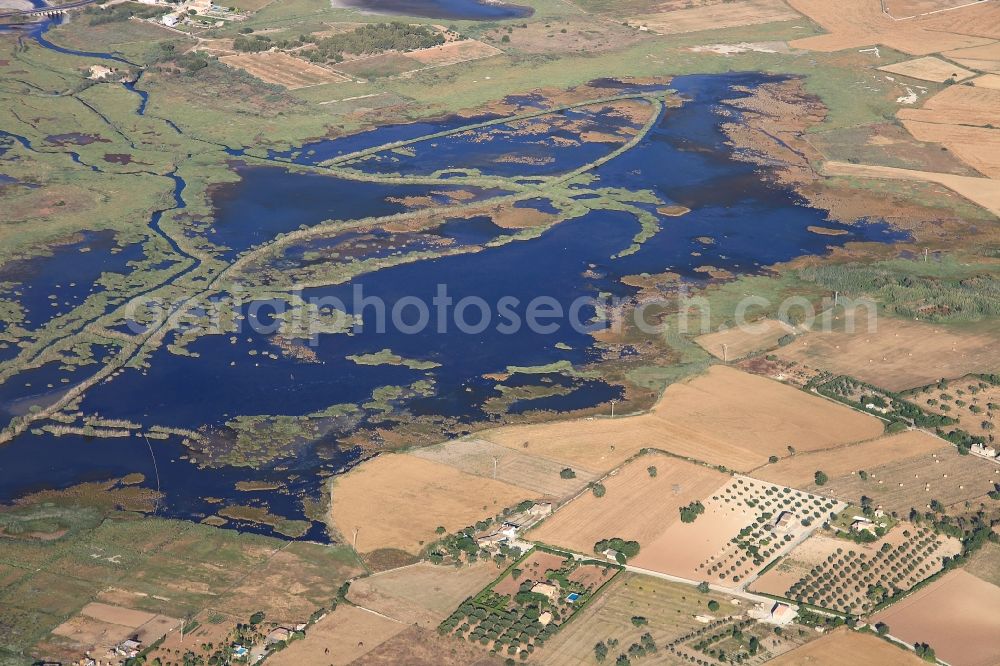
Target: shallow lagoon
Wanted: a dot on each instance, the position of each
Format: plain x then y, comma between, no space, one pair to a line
750,222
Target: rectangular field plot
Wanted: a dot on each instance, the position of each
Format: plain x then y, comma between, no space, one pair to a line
729,15
900,354
958,615
527,471
737,343
422,594
283,70
742,527
529,604
636,506
799,470
845,576
724,417
929,68
913,482
671,609
843,646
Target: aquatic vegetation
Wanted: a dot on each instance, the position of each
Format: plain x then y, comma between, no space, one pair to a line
387,357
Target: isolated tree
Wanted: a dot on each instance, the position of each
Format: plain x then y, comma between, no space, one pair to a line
820,478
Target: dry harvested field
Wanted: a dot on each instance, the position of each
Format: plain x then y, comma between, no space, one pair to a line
900,354
732,14
844,646
733,538
452,53
963,119
670,608
914,481
985,58
958,105
397,501
341,637
903,9
991,81
958,616
477,456
985,564
982,191
846,569
423,647
421,594
737,343
860,23
636,506
929,68
799,470
724,417
973,401
283,70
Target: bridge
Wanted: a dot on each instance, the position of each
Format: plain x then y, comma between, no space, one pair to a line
46,11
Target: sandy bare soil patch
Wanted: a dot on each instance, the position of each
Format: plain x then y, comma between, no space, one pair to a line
421,594
799,470
477,457
534,567
958,615
724,417
929,68
283,70
736,343
100,626
848,647
423,647
991,81
860,23
913,481
670,607
900,354
398,500
636,506
732,14
452,53
341,637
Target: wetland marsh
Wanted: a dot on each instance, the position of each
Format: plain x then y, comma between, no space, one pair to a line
558,201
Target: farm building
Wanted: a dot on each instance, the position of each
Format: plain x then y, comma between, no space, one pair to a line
548,590
782,521
774,613
983,450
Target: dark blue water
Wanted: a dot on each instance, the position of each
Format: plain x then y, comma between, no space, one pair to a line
472,10
70,273
530,147
38,462
268,201
752,223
